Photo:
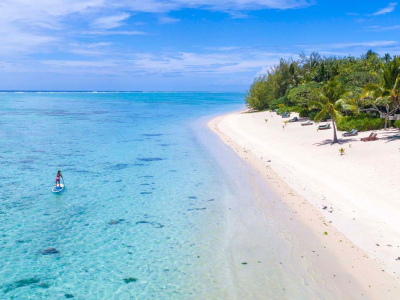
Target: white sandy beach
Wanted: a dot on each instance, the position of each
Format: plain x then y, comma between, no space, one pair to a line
349,203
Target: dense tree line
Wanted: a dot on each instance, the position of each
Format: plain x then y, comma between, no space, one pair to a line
369,83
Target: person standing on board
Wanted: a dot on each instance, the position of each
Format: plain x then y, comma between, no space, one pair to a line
58,178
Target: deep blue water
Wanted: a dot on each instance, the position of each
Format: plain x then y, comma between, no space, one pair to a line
141,194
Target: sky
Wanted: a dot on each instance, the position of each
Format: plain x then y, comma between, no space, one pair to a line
178,45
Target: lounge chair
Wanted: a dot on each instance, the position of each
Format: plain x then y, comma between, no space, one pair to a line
309,122
368,137
372,137
295,119
352,132
326,126
285,116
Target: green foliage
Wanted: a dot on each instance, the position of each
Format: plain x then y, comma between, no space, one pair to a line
397,124
274,104
257,96
331,101
312,114
356,81
304,113
362,122
289,109
303,94
283,109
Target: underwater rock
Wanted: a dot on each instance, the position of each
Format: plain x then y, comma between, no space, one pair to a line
130,279
191,209
69,296
49,251
157,225
152,134
19,284
149,159
115,222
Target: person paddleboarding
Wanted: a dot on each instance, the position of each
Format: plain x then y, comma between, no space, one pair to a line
59,187
58,178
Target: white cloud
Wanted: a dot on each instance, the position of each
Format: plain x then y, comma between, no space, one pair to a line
390,8
383,28
110,22
79,63
221,5
168,20
329,47
113,32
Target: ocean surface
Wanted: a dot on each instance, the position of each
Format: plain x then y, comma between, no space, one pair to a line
143,204
155,205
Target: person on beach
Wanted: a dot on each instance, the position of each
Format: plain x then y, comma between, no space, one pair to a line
58,178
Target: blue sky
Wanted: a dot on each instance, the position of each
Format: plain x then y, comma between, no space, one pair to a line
178,45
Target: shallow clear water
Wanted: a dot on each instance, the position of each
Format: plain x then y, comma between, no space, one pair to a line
141,201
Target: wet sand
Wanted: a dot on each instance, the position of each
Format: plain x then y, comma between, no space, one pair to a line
330,265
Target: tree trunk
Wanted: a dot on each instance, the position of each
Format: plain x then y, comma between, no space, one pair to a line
386,116
335,139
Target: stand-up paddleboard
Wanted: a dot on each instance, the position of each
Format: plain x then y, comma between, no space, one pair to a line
58,189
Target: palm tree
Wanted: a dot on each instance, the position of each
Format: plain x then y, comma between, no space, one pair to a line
387,58
380,100
391,78
331,102
387,93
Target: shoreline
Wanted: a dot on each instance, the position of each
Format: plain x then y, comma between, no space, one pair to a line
337,262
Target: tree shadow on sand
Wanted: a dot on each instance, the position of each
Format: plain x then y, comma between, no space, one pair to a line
341,142
389,135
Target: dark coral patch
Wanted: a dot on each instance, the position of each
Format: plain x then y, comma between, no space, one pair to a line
155,224
150,159
115,222
20,283
191,209
152,134
69,296
49,251
130,279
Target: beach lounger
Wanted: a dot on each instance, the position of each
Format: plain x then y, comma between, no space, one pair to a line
295,119
309,122
352,132
285,116
368,137
326,126
372,137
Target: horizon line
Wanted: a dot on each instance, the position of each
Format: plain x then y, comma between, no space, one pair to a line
94,92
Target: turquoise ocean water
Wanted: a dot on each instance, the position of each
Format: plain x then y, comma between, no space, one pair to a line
142,200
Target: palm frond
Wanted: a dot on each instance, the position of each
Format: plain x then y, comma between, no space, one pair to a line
320,116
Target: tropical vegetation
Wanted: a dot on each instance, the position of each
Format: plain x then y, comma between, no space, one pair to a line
363,92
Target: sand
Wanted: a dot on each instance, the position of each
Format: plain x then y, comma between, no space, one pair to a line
344,209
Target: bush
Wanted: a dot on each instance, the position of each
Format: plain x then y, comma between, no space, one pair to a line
282,109
304,113
277,102
303,94
312,114
361,122
285,108
397,124
257,96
